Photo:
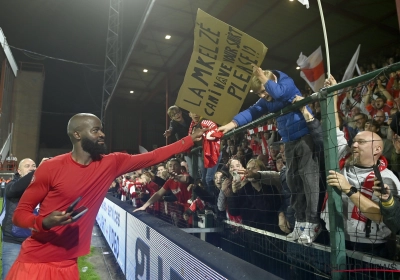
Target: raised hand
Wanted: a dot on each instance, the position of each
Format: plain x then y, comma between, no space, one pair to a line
167,133
330,81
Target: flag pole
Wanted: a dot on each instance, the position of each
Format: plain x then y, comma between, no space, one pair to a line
328,62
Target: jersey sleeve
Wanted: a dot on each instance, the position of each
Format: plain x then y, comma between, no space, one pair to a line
127,163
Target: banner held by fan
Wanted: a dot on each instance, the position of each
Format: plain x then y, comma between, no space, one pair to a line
218,76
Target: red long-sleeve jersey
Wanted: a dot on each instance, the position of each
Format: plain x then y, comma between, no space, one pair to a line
58,182
211,142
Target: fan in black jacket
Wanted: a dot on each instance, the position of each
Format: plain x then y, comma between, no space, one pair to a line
256,202
13,236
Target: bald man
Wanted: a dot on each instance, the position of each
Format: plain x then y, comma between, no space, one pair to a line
364,229
13,236
57,241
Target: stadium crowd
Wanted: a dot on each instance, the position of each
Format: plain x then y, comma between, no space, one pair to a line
272,177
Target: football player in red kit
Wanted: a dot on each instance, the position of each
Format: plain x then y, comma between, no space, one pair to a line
57,241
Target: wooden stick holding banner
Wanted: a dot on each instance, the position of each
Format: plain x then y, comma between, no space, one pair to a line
218,76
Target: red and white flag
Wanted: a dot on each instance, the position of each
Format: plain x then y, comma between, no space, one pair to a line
305,2
352,66
312,69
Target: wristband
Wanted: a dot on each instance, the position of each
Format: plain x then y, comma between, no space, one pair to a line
389,202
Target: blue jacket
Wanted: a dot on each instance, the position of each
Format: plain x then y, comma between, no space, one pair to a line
291,126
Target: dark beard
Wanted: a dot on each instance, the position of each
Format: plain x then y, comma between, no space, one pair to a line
93,148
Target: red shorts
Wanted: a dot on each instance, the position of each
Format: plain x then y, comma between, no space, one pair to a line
65,270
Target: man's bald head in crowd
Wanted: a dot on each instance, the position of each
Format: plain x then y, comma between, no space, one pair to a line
367,148
25,166
78,123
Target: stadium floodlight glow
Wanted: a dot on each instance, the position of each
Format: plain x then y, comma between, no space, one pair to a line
145,70
131,91
298,67
167,37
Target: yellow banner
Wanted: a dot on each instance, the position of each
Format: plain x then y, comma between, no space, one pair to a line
218,77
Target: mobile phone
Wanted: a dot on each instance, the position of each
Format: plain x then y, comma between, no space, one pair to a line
379,177
76,214
72,206
236,176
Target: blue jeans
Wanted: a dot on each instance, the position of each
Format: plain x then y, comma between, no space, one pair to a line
207,174
10,252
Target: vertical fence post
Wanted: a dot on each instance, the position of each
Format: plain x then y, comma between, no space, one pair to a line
338,252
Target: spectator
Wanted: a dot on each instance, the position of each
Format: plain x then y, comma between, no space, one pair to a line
393,86
225,158
179,189
185,167
273,152
360,121
211,155
255,144
276,91
232,150
248,152
115,188
162,172
362,234
278,179
380,120
179,126
383,101
264,159
256,202
387,144
241,157
149,188
57,241
13,236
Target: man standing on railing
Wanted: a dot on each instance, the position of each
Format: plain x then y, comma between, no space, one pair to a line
276,91
57,241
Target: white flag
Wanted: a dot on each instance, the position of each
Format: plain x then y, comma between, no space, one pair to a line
142,150
304,2
312,69
352,65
